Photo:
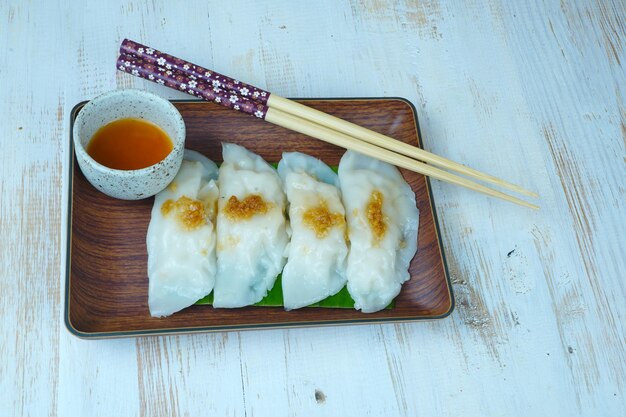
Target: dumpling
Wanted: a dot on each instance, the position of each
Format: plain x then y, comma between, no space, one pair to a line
181,238
316,263
382,227
251,228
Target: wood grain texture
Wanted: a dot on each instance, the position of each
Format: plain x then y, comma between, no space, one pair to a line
108,284
530,91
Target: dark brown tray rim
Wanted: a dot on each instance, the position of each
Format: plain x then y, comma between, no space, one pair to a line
214,329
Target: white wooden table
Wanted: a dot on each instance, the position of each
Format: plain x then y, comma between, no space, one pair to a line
532,91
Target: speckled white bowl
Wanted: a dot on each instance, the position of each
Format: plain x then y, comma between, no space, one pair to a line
119,104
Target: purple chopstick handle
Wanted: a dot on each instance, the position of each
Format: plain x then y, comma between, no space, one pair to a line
191,84
170,62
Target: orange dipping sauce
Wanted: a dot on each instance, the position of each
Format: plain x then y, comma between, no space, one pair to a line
129,144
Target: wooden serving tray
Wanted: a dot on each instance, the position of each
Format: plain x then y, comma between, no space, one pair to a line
106,280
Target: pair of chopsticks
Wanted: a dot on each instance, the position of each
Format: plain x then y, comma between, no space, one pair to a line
173,72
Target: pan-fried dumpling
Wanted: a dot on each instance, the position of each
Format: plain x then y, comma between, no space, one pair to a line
251,228
316,265
181,238
382,227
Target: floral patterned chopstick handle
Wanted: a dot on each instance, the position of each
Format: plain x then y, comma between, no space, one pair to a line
169,62
191,84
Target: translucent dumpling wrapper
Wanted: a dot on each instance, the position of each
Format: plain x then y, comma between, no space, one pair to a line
181,238
251,228
383,222
316,264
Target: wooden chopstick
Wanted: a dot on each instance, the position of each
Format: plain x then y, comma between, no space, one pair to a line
297,124
375,138
176,73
